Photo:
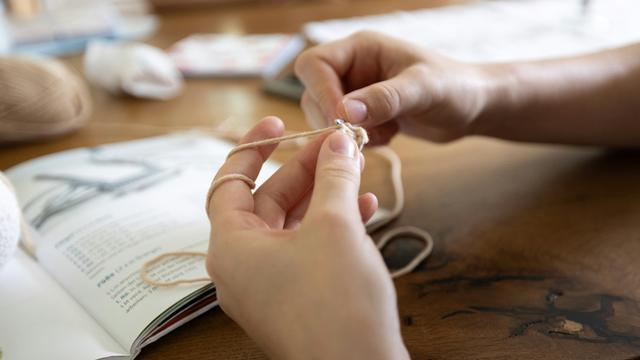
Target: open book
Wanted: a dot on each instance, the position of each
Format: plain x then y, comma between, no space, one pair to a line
96,215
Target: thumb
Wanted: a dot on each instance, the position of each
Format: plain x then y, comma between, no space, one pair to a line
337,177
386,100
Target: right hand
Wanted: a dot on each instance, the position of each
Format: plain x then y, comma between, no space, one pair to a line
292,261
387,85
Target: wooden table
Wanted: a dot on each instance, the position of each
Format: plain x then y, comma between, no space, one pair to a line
536,246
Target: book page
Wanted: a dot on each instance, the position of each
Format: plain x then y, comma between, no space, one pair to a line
100,213
41,321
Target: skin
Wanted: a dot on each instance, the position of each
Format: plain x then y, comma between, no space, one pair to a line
292,262
387,86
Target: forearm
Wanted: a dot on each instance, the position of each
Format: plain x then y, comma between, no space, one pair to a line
592,100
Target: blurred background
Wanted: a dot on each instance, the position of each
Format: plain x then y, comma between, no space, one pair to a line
162,65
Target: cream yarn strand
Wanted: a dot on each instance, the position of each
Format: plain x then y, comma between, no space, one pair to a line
361,138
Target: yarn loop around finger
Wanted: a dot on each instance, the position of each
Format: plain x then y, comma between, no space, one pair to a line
215,184
360,137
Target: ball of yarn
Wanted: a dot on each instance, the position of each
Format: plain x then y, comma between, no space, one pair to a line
9,221
40,98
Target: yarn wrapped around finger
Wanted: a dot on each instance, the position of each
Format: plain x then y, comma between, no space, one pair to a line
359,135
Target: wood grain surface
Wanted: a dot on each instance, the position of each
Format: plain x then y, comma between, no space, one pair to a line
537,246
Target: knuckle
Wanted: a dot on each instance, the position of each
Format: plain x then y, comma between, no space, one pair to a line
308,105
313,118
420,70
340,170
332,216
325,101
302,61
364,35
281,198
218,220
389,100
334,219
305,100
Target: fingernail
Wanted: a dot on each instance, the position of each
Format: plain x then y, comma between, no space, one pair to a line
342,144
356,111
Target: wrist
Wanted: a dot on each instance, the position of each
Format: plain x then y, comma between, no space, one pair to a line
359,337
502,95
363,346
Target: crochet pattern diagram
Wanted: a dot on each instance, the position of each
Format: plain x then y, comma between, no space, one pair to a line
71,191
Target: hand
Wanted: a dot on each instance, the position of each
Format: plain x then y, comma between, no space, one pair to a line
292,262
387,85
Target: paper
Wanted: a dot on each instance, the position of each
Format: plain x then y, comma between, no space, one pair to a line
39,320
235,55
9,221
63,27
5,38
98,214
496,31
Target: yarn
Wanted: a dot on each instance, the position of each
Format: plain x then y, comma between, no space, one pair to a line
40,99
361,138
358,134
144,272
10,226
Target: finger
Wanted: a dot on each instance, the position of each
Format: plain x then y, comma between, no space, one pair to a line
235,195
312,113
337,177
382,134
431,133
284,189
368,204
295,216
386,100
320,69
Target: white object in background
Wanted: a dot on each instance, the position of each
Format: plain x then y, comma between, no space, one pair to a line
63,27
495,31
235,55
136,69
5,38
9,221
132,7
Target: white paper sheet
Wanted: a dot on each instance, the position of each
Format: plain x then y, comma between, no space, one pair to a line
496,31
39,320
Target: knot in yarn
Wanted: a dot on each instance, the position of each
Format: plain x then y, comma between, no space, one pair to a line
357,133
361,138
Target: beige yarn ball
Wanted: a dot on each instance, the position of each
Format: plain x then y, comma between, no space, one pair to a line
40,98
9,221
